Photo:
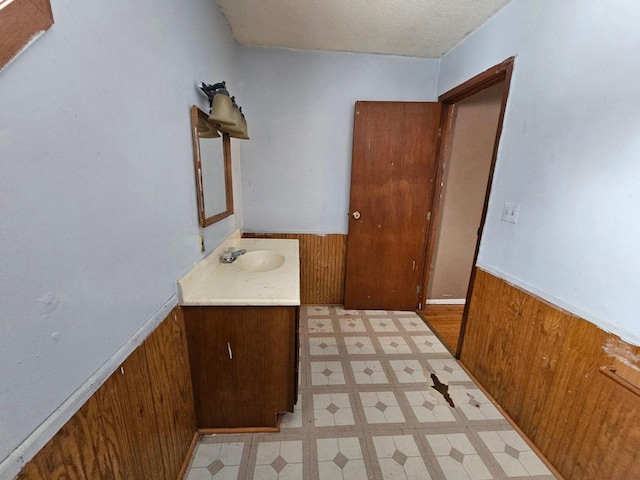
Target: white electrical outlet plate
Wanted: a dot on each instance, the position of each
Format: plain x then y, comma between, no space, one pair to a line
510,212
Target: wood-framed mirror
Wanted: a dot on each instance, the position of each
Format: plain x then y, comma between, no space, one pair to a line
212,162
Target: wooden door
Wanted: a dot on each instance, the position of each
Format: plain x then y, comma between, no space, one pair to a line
392,181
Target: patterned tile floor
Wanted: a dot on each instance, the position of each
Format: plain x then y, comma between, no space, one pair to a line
366,410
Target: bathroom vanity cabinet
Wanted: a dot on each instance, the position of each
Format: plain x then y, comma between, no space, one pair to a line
244,364
241,322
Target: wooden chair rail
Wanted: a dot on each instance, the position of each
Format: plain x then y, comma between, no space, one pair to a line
612,373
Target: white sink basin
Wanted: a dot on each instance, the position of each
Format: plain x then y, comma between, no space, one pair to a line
260,261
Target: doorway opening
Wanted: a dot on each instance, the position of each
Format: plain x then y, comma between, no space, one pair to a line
472,124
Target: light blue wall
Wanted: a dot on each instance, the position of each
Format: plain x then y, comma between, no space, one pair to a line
568,154
296,168
97,195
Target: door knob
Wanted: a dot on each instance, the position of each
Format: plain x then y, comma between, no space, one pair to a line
356,215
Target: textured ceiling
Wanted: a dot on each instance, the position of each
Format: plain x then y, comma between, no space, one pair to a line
417,28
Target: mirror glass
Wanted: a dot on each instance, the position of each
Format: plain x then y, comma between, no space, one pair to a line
212,160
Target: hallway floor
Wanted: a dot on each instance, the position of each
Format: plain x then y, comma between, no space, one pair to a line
367,410
445,321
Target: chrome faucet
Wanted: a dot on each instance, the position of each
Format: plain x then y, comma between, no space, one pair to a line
230,255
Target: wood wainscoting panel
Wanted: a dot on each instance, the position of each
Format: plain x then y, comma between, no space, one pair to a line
133,418
20,22
138,425
323,260
83,441
542,365
172,391
47,465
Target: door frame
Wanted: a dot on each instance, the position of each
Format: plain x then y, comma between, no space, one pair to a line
496,74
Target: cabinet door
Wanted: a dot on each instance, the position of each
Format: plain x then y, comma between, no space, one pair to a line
264,356
213,375
242,364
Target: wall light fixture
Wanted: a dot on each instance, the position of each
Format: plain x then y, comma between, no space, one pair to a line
224,112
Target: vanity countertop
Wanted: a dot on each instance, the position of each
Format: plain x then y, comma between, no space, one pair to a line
212,282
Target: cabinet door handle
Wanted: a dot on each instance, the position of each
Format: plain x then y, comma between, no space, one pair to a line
230,352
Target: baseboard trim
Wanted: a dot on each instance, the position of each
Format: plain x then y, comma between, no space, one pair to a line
237,430
187,458
16,460
446,301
